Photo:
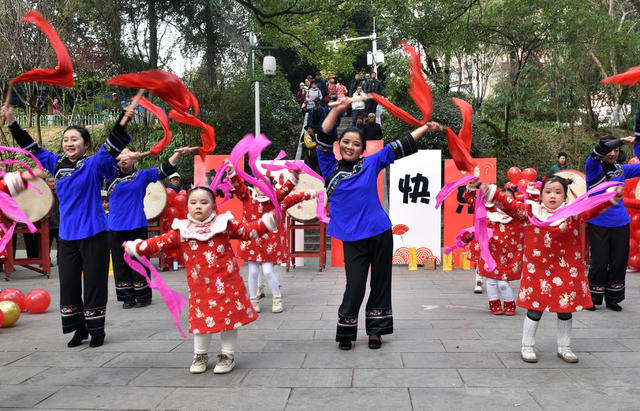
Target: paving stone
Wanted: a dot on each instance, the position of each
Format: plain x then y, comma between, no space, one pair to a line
17,375
587,399
245,398
299,378
451,360
549,359
106,398
352,359
349,398
621,359
65,359
85,376
483,399
364,377
597,377
9,357
181,377
138,346
515,378
244,345
23,396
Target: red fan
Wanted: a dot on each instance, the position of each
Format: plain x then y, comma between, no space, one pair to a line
399,229
63,74
628,78
460,144
418,90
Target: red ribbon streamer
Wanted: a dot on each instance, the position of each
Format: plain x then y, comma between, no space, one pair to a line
63,74
208,137
164,123
628,78
460,144
418,90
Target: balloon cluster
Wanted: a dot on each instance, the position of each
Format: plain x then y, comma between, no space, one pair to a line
176,208
13,302
632,205
522,178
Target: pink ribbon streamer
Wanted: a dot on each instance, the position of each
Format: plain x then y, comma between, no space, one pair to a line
225,186
253,146
321,210
449,188
10,208
174,300
458,243
580,204
481,232
7,234
21,151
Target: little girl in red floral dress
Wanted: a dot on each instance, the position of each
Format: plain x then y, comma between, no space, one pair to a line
217,297
270,248
553,275
506,247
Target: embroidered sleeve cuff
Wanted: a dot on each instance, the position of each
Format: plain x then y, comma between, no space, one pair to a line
325,142
404,146
312,194
294,179
491,193
270,221
118,138
23,138
132,247
166,169
15,184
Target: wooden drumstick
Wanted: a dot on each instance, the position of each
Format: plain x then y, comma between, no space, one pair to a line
132,106
363,97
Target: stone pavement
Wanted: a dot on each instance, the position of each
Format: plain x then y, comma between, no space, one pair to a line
448,352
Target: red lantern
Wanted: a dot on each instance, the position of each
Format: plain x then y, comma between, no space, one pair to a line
634,160
529,174
514,174
15,295
37,301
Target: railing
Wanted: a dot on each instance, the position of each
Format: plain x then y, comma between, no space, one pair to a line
62,120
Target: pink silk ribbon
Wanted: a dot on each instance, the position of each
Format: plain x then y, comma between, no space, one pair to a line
174,300
225,186
7,233
458,243
580,204
450,187
481,232
321,210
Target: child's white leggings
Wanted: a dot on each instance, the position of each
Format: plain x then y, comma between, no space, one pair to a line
269,275
228,339
505,289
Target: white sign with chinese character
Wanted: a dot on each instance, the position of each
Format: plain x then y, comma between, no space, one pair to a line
413,185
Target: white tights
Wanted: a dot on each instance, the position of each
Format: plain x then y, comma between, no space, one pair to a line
269,275
505,289
228,339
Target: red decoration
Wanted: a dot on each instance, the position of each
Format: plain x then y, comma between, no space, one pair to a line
63,74
1,317
633,160
628,78
399,229
522,185
459,145
208,137
164,122
15,295
529,174
418,90
514,174
634,261
37,301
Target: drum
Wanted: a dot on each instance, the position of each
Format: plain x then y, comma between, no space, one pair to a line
306,210
36,206
155,200
578,186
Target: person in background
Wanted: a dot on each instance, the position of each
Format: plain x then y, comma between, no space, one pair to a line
309,155
357,107
56,108
317,114
313,94
302,92
322,84
371,129
372,86
174,182
560,165
360,123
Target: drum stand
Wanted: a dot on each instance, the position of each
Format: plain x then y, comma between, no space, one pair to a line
292,226
154,227
43,259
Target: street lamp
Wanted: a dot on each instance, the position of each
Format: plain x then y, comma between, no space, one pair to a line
269,70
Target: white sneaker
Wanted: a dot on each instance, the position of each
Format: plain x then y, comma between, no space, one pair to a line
199,364
528,354
276,305
225,364
478,287
567,355
255,302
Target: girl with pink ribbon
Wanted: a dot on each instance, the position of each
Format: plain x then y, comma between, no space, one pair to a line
217,297
553,275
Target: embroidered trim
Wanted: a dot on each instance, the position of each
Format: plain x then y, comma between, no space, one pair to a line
341,175
95,312
379,312
114,183
70,309
203,231
347,320
66,172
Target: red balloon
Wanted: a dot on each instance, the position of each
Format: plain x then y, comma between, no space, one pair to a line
37,301
635,220
634,160
634,261
636,234
529,174
633,246
15,295
1,317
514,174
522,185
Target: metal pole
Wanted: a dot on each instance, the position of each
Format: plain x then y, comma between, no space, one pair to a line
374,47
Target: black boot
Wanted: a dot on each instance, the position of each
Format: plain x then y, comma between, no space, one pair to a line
614,306
129,303
97,338
80,335
143,302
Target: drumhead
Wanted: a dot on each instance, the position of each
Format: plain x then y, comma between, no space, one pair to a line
306,211
578,186
155,200
36,206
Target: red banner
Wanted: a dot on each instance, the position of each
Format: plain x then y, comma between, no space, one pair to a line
457,214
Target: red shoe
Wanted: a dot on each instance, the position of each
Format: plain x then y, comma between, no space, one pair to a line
509,308
495,307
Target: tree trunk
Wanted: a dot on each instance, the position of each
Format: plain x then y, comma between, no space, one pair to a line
507,118
38,129
152,18
591,116
210,53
